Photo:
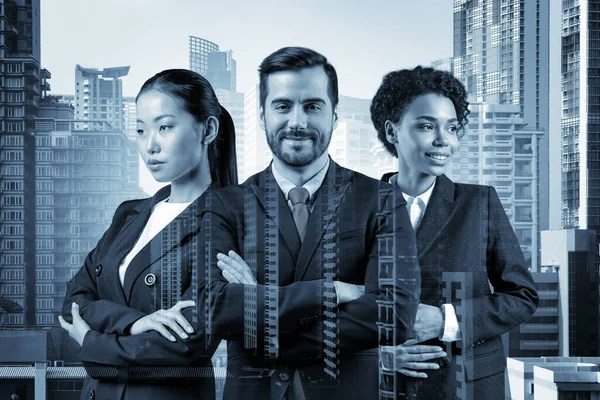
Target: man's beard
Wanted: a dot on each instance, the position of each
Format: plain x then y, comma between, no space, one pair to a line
298,158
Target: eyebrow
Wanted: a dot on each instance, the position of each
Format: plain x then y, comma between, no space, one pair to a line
159,117
309,100
432,119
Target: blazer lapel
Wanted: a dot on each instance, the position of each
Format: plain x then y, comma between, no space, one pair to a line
179,231
267,190
439,211
329,197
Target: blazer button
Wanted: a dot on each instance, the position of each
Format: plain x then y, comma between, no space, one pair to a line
98,269
150,279
92,395
284,376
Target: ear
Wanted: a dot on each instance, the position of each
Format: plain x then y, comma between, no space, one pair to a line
262,118
335,119
391,133
211,129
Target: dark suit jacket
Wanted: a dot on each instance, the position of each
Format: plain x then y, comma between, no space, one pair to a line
282,323
465,240
147,365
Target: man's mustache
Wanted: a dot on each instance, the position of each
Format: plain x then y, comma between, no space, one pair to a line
298,134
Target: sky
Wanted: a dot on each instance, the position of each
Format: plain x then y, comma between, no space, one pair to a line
362,41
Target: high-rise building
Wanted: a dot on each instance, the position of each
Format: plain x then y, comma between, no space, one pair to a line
501,54
129,118
498,149
572,254
81,176
553,378
580,123
351,145
217,66
540,335
99,95
21,80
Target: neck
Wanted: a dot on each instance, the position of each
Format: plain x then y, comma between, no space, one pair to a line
414,183
299,175
189,188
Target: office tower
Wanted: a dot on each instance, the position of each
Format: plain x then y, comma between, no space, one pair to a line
351,145
20,89
99,95
81,176
580,124
501,54
500,150
217,66
539,336
233,102
221,71
129,118
572,254
553,378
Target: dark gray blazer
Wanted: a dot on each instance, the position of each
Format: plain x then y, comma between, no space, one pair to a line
465,243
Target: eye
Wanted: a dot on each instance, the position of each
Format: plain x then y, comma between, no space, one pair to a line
140,132
313,107
453,128
282,107
427,127
163,128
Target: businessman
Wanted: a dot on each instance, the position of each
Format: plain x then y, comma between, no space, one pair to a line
314,236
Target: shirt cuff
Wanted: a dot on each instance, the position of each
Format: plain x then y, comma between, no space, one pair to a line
451,329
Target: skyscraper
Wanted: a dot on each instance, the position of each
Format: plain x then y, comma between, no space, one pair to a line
217,66
21,78
99,95
499,149
501,54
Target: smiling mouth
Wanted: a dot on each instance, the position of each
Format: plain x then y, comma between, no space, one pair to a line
438,156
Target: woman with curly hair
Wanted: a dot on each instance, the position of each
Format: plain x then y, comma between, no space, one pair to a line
475,284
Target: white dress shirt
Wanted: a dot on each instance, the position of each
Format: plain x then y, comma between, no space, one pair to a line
162,214
416,209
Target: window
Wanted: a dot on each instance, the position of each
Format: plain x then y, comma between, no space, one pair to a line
44,244
13,111
12,244
12,230
12,140
13,97
13,259
11,289
12,274
13,185
523,214
12,155
46,230
12,200
12,215
44,215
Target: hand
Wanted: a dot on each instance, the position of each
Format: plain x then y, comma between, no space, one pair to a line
429,323
78,328
347,291
410,357
235,269
162,319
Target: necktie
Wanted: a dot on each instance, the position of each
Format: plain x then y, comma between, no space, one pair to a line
299,198
415,207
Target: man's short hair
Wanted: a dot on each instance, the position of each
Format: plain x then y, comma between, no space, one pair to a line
295,59
400,88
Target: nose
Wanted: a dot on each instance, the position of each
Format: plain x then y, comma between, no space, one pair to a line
298,119
152,146
441,138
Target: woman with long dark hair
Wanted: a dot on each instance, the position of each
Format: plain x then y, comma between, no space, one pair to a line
134,307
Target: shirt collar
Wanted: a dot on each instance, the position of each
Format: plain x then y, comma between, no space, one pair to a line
312,185
425,196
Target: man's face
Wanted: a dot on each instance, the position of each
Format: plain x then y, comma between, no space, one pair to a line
298,116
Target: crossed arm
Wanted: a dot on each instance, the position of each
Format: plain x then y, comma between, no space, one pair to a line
302,301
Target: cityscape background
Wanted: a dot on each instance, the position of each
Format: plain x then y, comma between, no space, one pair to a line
70,70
